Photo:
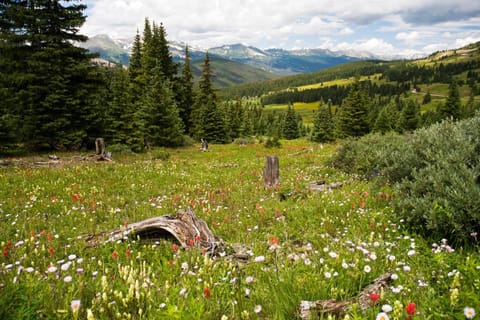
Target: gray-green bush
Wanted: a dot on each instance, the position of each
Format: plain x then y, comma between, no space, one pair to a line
435,171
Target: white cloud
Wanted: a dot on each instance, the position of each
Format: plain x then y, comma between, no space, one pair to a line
376,46
389,25
465,41
413,36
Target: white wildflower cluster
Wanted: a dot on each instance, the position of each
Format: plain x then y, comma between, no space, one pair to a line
442,247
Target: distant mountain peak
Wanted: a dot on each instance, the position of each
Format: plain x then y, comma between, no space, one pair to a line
275,60
237,51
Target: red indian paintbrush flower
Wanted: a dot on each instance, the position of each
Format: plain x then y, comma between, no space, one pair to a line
206,292
374,297
411,308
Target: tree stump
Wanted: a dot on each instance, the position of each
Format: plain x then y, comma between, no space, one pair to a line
204,147
271,171
99,146
100,152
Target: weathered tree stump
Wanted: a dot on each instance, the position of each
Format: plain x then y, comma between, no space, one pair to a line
100,151
307,309
99,146
271,172
184,227
204,147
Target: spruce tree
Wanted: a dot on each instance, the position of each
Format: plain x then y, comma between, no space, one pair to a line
235,119
214,124
162,125
452,107
290,125
150,49
208,122
49,78
186,96
135,64
382,123
323,125
387,119
410,116
469,108
165,59
247,127
135,69
352,118
119,124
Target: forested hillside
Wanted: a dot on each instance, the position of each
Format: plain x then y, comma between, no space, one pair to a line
397,95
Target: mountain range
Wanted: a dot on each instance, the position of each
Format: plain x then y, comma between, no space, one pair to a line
235,63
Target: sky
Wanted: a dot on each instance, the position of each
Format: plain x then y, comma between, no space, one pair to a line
405,28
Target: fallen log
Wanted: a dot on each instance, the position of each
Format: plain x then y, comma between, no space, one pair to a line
307,309
184,227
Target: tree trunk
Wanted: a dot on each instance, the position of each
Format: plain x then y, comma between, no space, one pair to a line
100,152
271,172
99,146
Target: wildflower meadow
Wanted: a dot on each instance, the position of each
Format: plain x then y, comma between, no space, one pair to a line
301,244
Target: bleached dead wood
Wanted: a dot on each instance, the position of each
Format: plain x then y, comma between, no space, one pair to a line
321,186
307,309
184,227
271,172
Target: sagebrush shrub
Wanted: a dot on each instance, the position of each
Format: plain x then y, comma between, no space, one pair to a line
436,173
160,154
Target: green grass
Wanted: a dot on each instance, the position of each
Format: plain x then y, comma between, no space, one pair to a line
331,244
306,110
341,82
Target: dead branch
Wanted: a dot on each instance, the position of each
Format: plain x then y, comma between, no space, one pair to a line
307,309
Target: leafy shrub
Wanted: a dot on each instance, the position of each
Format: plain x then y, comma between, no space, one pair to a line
375,155
272,142
245,140
436,172
160,154
187,141
442,196
119,148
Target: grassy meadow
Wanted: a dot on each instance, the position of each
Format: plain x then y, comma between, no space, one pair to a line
302,245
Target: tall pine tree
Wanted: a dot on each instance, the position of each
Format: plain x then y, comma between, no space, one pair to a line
208,122
290,125
135,70
162,125
119,124
352,117
185,93
49,78
410,116
452,107
323,125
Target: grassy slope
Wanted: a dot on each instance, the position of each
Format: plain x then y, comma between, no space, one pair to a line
330,244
